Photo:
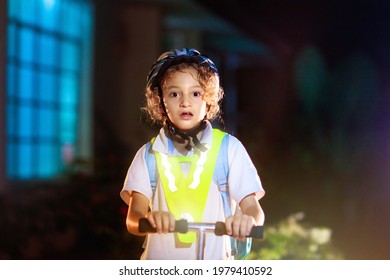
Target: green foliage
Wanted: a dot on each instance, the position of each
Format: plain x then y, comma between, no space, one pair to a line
290,239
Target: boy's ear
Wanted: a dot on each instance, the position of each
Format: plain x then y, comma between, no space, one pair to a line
161,109
207,110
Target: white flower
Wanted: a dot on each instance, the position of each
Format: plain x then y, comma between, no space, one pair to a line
320,235
293,227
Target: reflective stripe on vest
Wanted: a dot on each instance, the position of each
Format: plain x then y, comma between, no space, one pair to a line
186,196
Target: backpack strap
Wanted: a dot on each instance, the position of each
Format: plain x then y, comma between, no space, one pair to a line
150,159
220,175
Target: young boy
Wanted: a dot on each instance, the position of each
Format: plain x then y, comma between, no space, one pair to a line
183,93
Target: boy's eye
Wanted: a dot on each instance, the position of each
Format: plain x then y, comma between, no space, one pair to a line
174,94
196,93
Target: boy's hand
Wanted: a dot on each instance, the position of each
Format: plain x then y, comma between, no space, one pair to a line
239,226
163,222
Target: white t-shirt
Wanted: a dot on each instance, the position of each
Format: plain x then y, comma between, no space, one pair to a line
243,180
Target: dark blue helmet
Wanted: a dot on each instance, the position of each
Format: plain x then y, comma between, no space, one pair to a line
175,57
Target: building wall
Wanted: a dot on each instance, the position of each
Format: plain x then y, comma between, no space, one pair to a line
127,41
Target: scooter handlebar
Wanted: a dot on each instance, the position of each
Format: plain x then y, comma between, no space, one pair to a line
182,226
256,232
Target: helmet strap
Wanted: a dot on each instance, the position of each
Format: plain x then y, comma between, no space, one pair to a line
191,136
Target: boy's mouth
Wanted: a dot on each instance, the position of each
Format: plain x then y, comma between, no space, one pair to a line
186,115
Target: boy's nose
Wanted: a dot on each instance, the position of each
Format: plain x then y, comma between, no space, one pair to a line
185,102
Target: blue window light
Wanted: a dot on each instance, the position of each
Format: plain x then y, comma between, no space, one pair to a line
48,58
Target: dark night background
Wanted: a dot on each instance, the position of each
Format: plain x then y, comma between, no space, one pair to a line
307,92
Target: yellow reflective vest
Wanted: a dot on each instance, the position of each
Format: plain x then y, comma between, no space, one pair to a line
186,195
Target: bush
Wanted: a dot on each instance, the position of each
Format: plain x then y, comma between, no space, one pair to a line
290,239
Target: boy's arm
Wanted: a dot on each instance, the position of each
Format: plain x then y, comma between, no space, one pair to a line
250,206
164,222
138,208
251,214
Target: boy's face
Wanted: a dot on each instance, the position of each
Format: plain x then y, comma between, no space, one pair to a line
183,99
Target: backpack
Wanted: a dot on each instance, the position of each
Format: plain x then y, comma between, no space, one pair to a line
240,248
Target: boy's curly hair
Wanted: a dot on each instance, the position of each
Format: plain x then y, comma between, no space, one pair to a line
209,81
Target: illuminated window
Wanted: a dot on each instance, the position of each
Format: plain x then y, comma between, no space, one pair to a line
48,58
